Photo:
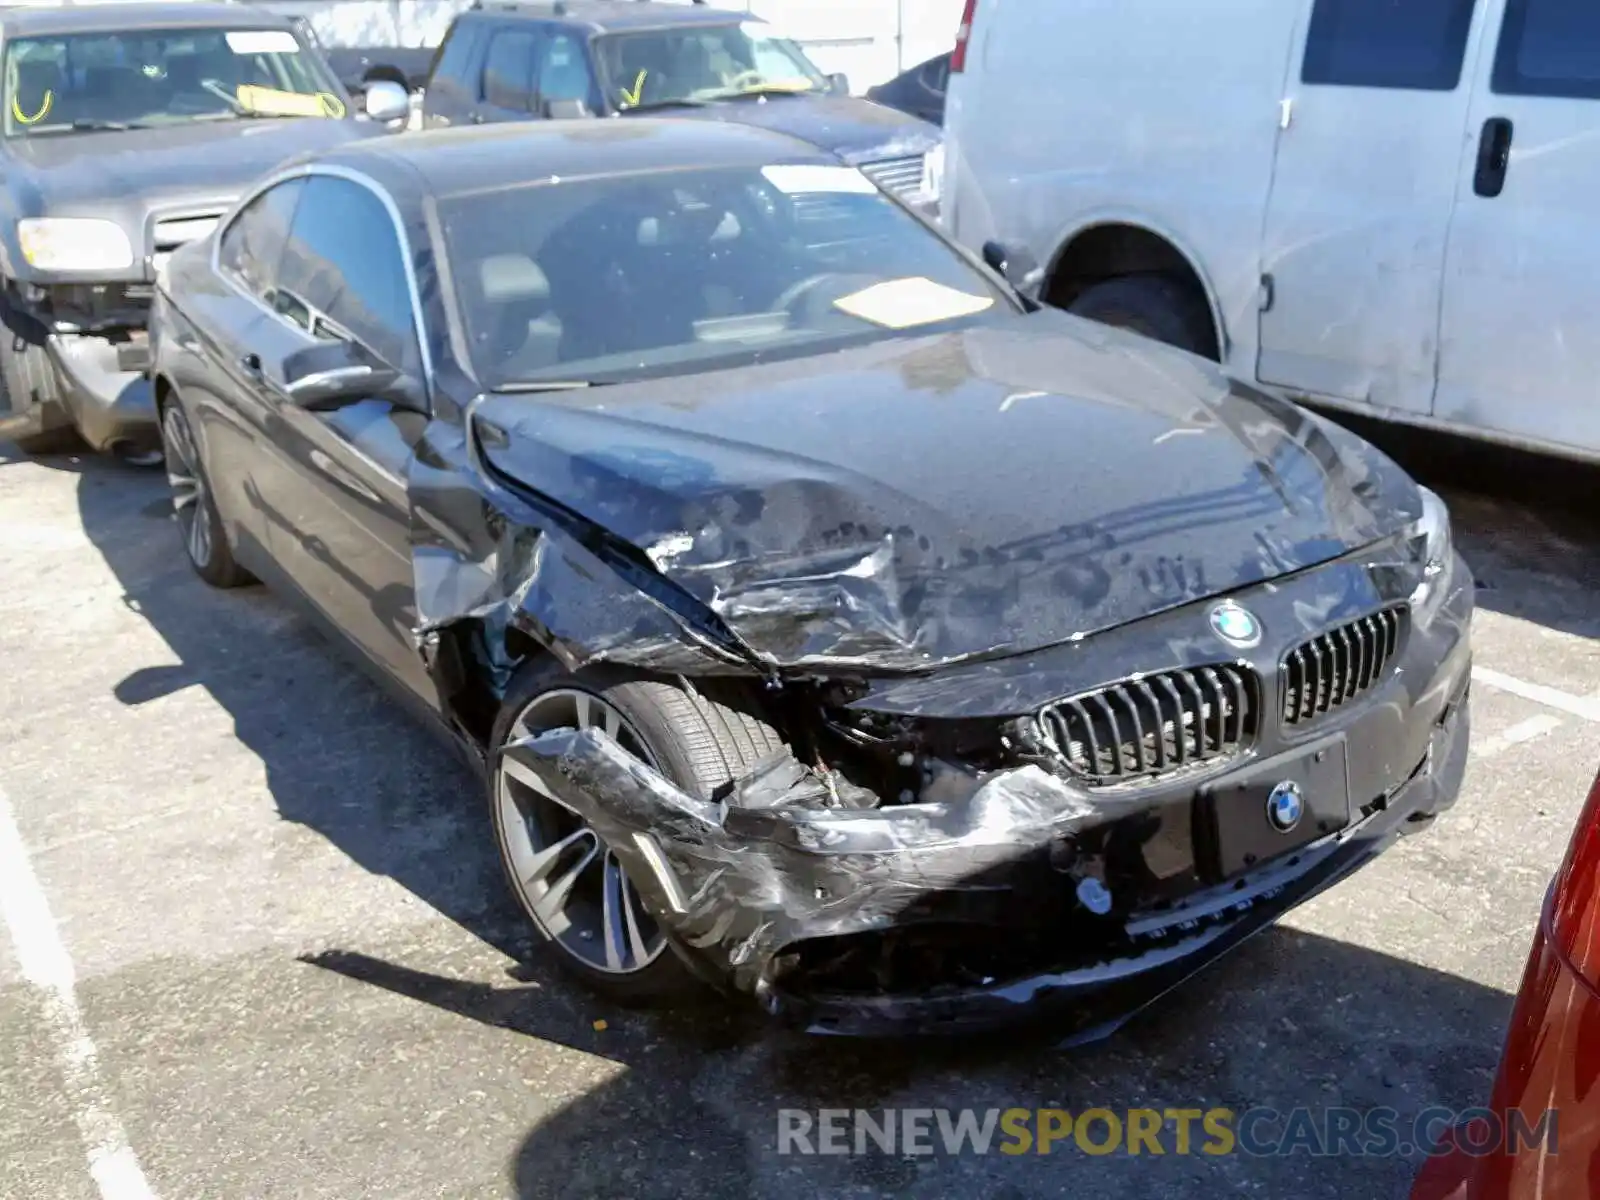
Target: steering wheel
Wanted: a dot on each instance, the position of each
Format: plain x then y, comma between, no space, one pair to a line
223,94
796,292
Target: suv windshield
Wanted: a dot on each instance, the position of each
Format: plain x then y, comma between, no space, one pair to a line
669,66
161,77
603,280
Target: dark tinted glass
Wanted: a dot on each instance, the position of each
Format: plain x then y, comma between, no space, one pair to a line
1549,48
454,58
564,73
343,272
508,70
252,245
634,276
1416,44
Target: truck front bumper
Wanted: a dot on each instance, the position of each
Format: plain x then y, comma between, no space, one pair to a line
105,392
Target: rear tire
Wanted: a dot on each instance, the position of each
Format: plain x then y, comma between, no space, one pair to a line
700,740
1156,306
30,381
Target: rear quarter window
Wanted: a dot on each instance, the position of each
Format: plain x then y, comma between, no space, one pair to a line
1411,44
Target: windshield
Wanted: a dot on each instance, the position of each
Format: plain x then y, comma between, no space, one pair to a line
700,63
603,280
161,77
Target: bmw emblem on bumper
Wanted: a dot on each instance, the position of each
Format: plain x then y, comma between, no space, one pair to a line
1235,624
1285,806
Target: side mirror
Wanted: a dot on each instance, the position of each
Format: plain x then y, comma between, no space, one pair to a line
384,100
839,82
1016,265
565,110
332,374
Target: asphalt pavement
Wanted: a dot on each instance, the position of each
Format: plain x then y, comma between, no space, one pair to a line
256,944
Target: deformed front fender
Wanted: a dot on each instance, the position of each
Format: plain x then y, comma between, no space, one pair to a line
778,861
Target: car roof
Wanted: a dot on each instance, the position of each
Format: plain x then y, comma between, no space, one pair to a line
606,16
36,20
451,162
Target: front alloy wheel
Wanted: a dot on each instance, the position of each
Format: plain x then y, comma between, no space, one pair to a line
568,880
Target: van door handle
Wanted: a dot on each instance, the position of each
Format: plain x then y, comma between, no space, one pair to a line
1494,156
251,365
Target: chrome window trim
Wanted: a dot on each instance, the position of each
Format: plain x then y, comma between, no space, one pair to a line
332,171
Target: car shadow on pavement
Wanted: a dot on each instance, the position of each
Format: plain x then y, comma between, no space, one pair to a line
339,755
1292,1020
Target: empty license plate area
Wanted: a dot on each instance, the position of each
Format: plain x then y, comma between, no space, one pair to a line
1273,808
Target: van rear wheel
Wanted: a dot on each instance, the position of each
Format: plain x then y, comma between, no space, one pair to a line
1156,306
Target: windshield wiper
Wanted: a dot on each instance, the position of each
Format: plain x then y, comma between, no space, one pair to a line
763,90
657,105
96,125
549,385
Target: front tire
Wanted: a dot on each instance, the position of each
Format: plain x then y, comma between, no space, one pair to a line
1156,306
205,541
566,880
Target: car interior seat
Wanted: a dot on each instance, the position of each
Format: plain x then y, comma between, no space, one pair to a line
520,335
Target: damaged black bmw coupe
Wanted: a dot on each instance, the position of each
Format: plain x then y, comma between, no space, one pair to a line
828,625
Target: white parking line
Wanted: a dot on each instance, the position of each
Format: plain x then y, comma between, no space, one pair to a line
1586,707
1522,731
45,964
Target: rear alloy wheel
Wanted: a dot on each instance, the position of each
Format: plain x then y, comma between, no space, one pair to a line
204,539
568,881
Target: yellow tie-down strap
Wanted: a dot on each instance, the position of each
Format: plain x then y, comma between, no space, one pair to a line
274,102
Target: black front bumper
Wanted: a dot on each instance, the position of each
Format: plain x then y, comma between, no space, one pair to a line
752,894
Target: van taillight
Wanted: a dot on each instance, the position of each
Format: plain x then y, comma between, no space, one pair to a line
958,60
1575,897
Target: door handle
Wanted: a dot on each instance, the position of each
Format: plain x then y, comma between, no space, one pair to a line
251,365
1494,156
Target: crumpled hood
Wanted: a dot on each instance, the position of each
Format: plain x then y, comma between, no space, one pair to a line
71,174
1009,487
859,131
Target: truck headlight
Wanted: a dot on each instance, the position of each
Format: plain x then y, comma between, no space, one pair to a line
1433,547
74,244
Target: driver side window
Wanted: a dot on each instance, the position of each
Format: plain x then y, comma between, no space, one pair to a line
252,245
343,273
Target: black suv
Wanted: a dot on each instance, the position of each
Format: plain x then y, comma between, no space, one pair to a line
602,58
126,131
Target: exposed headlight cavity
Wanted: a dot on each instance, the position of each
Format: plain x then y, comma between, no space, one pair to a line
1433,546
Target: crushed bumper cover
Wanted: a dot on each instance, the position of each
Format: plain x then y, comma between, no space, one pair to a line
105,391
751,885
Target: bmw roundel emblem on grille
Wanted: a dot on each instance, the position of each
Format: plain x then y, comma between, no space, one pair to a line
1285,806
1235,624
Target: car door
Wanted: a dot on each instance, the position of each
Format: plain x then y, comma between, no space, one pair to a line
1517,351
335,487
1353,242
223,330
507,90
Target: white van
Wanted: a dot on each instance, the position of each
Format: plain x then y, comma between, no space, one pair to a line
1391,206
